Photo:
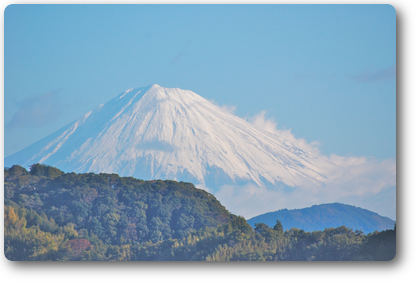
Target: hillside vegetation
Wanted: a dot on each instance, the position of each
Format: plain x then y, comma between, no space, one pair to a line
319,217
51,215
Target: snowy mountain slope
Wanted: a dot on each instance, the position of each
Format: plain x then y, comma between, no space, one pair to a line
169,133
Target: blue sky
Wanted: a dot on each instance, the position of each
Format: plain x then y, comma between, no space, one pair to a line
327,72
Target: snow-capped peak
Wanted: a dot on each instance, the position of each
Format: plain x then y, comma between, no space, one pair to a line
168,133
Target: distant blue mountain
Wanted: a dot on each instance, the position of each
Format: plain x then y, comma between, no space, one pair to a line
319,217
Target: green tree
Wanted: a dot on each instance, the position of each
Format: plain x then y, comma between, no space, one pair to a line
15,171
278,227
45,170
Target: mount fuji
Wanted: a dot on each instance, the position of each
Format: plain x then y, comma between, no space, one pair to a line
169,133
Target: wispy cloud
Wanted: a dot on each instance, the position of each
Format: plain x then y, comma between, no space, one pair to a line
270,125
376,75
360,181
178,57
36,111
182,53
228,108
370,185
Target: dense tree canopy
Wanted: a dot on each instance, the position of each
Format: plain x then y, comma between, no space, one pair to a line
52,215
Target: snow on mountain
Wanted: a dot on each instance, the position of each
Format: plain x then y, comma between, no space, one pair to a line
169,133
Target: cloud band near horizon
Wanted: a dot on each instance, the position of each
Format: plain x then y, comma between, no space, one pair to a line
361,181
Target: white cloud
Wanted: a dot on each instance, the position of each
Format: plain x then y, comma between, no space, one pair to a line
359,176
364,182
270,125
227,108
370,186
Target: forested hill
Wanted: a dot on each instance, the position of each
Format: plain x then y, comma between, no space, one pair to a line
51,215
114,208
319,217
